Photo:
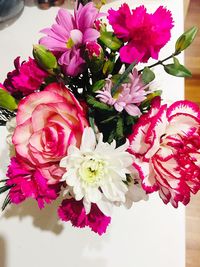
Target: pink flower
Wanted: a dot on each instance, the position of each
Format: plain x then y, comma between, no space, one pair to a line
69,36
74,211
28,182
128,97
144,33
25,79
166,144
93,49
48,122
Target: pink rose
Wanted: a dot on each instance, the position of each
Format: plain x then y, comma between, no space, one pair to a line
47,123
166,143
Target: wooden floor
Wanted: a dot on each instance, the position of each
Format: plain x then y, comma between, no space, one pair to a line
192,92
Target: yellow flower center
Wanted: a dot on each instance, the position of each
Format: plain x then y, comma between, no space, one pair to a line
69,43
92,171
116,95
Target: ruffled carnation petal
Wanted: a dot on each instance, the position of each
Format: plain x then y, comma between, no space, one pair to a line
74,211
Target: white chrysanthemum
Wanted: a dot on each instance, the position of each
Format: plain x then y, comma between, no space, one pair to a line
97,171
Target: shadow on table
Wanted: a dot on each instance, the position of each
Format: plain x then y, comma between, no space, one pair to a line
76,241
45,219
2,252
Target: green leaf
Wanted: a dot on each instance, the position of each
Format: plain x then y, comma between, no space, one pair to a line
177,70
176,62
110,40
6,202
109,119
130,120
91,119
108,67
147,75
98,85
120,128
116,77
122,78
4,189
186,39
7,101
98,105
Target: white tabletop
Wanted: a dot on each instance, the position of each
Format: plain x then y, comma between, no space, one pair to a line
149,235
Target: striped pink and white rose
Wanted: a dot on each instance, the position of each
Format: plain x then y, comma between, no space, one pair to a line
166,144
48,122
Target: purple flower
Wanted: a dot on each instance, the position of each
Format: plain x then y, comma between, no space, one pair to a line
26,78
68,36
128,97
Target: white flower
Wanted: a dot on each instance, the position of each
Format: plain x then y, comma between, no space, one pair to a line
135,192
97,171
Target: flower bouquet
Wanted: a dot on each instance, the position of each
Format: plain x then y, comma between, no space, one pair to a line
85,123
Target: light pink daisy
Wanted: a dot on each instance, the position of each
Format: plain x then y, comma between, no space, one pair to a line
128,97
68,36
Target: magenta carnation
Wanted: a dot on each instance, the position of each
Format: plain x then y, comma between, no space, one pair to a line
74,211
69,36
144,33
28,182
26,78
166,143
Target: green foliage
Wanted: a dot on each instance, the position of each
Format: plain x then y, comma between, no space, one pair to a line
98,105
120,128
122,78
7,101
6,202
45,58
110,40
176,69
186,39
4,188
147,75
108,67
98,85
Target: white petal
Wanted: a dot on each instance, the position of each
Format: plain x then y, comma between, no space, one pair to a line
105,206
87,205
88,140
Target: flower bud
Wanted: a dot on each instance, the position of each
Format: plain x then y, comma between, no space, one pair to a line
94,56
186,39
45,58
110,40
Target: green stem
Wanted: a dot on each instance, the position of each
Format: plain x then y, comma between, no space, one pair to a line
160,62
122,78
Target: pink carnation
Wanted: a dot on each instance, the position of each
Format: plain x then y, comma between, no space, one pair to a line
69,34
74,211
166,144
28,182
144,33
25,79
